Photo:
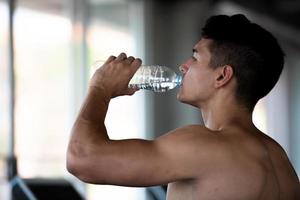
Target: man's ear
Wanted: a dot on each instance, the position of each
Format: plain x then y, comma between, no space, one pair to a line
223,76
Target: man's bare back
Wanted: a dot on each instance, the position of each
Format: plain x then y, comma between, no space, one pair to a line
251,166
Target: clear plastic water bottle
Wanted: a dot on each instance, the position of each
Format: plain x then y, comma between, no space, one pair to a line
155,78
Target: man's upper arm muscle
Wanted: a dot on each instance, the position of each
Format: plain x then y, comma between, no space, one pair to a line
135,162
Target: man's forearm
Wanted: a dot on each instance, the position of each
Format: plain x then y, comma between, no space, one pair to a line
95,106
88,132
89,126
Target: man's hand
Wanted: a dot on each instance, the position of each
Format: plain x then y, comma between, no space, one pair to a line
114,75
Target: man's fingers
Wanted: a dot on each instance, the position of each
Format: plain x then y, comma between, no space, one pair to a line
111,58
129,60
136,63
121,57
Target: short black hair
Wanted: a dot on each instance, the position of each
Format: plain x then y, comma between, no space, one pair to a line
253,52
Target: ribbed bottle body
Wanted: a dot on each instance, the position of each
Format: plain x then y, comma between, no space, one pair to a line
155,78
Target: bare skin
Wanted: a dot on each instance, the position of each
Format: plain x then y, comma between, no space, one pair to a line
228,158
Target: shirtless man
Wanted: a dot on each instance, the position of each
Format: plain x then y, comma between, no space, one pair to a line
235,63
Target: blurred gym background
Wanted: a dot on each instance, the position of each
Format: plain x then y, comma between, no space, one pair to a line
47,49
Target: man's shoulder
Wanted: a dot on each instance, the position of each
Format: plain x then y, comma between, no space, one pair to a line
195,138
192,133
193,129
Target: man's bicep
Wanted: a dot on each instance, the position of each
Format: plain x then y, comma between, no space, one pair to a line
127,162
185,153
136,163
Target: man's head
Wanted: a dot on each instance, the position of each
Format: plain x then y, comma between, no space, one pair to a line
253,53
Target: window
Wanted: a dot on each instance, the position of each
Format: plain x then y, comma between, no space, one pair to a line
42,45
4,99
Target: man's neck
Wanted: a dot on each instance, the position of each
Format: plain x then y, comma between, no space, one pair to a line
223,113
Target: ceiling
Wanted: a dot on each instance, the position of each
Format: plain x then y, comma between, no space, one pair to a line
285,11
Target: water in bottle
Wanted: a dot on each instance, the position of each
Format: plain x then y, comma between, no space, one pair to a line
155,78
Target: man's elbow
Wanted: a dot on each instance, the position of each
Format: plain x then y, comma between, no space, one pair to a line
80,169
74,168
73,165
76,158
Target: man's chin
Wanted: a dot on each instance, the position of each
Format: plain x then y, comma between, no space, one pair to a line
181,98
184,100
